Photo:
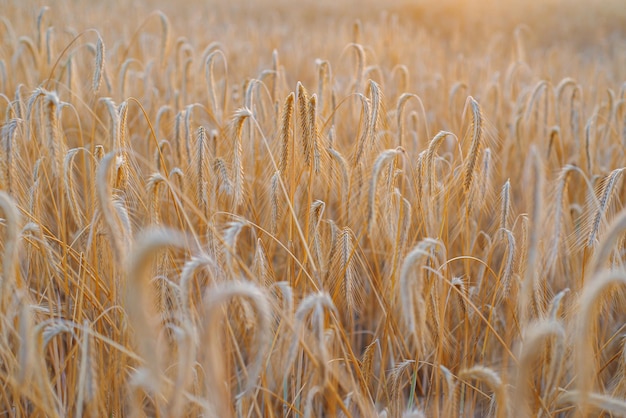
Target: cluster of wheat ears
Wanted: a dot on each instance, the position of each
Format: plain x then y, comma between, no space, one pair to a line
371,239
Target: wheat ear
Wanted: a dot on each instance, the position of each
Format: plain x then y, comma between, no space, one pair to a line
217,296
607,194
285,133
495,384
11,238
412,289
608,244
383,159
238,172
99,69
140,301
477,135
537,336
588,302
305,124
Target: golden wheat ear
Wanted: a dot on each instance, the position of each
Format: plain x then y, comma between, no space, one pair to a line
213,365
139,303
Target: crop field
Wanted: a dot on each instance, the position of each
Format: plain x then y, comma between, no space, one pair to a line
312,209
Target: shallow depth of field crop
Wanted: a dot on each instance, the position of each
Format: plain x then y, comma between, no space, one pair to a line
307,209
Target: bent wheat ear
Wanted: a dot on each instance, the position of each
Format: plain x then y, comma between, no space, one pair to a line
376,99
587,316
451,392
139,300
608,186
9,154
119,236
190,267
218,296
495,384
315,304
12,230
238,172
535,340
598,401
359,71
434,145
608,244
68,186
384,158
395,381
412,288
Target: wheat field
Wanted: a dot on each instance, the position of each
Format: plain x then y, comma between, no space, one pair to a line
313,209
